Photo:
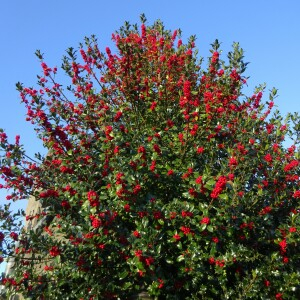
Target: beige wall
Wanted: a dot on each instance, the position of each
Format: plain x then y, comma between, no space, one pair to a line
33,208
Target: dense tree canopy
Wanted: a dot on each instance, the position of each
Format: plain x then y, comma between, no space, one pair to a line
161,176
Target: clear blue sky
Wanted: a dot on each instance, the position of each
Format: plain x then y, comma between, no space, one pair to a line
268,30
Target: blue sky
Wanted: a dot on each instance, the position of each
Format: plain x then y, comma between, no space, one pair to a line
268,31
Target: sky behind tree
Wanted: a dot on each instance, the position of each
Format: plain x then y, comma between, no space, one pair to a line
267,30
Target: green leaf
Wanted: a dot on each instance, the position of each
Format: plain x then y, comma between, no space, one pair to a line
158,249
123,275
180,258
179,245
223,196
203,227
211,182
161,221
210,228
127,285
145,222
